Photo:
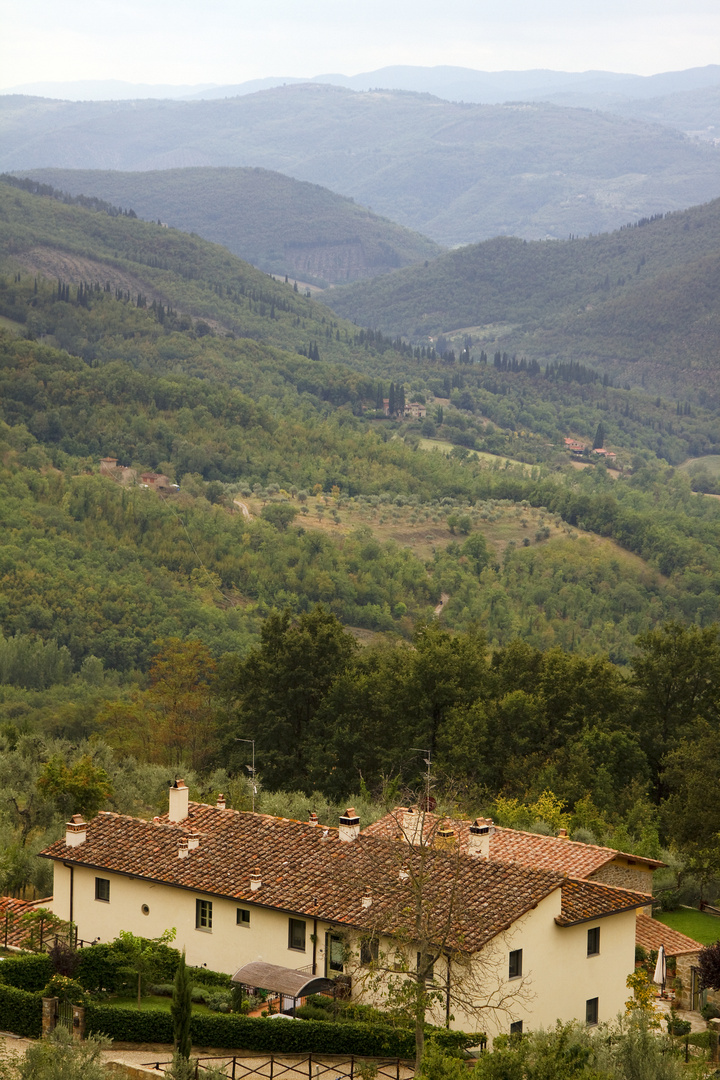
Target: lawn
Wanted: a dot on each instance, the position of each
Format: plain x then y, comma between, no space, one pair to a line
709,462
153,1001
696,924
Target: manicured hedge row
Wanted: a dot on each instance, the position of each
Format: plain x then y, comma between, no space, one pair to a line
205,977
20,1012
29,972
265,1036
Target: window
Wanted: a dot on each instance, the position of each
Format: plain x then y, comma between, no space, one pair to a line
102,889
203,915
243,916
516,1026
335,953
515,965
594,941
591,1011
296,934
430,967
369,951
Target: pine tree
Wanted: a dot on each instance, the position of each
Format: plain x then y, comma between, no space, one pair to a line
599,437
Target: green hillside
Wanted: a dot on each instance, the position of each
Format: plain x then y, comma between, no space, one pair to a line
281,225
129,340
456,172
642,301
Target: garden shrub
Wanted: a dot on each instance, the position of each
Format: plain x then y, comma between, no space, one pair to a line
20,1012
30,972
65,988
267,1036
205,977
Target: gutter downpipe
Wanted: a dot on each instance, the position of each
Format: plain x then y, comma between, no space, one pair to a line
314,971
447,994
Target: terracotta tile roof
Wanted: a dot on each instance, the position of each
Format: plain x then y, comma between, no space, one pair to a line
586,900
651,934
523,848
13,931
308,870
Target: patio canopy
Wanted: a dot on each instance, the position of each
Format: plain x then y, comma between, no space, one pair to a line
281,980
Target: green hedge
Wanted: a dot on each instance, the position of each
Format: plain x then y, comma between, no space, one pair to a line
266,1036
129,1025
20,1012
202,976
29,972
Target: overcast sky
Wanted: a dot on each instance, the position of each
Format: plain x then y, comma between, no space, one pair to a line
230,41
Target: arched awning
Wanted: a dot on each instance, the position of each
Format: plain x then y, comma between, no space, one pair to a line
281,980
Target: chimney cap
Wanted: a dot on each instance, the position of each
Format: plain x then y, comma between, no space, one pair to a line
350,817
179,783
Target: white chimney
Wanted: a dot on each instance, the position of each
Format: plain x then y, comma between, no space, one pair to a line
367,899
349,825
220,801
255,879
179,796
481,832
313,818
412,826
193,842
183,848
75,831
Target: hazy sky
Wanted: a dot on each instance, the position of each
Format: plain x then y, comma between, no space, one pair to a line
229,41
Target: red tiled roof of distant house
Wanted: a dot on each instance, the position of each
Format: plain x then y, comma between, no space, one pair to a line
13,931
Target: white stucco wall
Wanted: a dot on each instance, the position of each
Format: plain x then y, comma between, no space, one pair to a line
225,948
558,975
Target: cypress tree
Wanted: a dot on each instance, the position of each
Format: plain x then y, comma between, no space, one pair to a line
181,1009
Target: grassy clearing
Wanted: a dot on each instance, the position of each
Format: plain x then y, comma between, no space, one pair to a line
487,459
153,1001
425,530
696,924
710,464
10,324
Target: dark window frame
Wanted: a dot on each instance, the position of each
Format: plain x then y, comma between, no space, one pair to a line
369,951
593,941
203,915
515,966
592,1011
294,926
516,1028
242,917
102,886
333,965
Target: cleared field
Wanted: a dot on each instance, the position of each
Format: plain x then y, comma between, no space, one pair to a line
489,459
10,324
709,464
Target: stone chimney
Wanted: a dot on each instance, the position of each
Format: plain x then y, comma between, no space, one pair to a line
313,818
412,825
255,879
179,796
220,801
481,832
183,848
349,825
445,837
75,831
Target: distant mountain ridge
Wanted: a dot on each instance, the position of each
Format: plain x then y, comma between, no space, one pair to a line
281,225
450,82
455,172
635,301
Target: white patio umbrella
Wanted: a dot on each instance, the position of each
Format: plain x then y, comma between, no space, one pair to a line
661,969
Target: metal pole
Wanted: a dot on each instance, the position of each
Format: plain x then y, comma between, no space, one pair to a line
309,1066
272,1062
233,1068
